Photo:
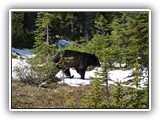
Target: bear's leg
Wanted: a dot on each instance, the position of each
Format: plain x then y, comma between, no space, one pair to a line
68,74
77,69
82,73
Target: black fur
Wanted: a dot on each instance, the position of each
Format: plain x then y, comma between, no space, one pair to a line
78,60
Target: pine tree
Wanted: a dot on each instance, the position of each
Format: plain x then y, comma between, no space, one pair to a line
23,25
42,64
100,23
29,28
94,97
130,35
43,23
18,34
116,100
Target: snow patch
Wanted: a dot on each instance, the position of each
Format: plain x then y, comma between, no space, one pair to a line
113,76
62,43
20,63
76,81
115,64
120,75
22,52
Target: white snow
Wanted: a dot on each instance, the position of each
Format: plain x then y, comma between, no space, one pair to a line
61,43
20,62
120,75
76,81
118,64
113,76
21,52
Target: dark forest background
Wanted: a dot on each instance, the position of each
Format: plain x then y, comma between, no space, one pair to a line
124,33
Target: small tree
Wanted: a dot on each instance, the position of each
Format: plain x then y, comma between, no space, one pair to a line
94,97
116,100
42,66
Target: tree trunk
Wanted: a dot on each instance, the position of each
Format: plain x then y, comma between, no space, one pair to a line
106,80
85,21
107,89
47,35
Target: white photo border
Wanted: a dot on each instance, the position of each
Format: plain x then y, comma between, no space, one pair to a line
75,10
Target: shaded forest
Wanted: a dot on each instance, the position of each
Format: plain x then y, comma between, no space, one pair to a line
66,25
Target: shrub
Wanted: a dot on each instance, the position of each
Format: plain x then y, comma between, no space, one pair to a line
40,68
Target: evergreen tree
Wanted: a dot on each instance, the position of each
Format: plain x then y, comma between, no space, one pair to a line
100,23
116,99
42,64
42,68
43,23
18,34
29,28
130,35
23,25
94,97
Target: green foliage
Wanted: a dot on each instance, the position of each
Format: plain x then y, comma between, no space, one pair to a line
23,25
127,97
136,73
42,32
100,23
139,99
94,96
118,94
18,35
40,67
130,35
42,64
75,46
118,97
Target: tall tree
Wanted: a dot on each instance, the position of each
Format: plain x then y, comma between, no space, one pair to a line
85,21
43,22
18,34
130,35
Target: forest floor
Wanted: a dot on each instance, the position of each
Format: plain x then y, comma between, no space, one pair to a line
28,96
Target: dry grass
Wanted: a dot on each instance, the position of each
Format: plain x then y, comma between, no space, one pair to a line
52,96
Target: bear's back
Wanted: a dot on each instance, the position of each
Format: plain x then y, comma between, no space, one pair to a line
71,53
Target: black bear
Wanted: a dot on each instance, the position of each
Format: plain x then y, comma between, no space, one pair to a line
74,59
